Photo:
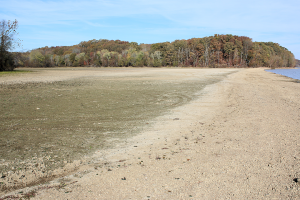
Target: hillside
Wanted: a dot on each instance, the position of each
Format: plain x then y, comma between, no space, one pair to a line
297,63
214,51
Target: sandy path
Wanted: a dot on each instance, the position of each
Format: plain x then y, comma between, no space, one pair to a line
240,141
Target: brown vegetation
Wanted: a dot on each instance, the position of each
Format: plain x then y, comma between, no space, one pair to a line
214,51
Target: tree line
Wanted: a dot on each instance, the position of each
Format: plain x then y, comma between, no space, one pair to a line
214,51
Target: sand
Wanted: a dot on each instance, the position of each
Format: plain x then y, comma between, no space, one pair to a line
240,140
53,120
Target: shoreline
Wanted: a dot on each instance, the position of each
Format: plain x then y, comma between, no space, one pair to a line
238,141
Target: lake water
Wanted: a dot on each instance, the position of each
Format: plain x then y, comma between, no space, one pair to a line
292,73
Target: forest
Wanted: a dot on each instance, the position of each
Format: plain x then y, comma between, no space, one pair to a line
214,52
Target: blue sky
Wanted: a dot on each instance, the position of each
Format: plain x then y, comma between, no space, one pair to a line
68,22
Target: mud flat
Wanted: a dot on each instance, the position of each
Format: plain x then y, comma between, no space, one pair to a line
53,121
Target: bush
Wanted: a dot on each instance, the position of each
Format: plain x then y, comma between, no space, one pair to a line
7,62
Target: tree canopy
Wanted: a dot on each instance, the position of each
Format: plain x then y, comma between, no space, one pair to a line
214,51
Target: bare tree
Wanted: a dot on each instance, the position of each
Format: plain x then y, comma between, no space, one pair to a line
207,50
247,45
8,42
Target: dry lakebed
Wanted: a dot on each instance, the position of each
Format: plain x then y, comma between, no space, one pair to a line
149,133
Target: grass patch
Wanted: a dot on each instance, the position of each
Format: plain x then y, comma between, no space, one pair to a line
13,72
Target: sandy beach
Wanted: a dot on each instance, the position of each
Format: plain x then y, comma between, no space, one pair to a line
239,140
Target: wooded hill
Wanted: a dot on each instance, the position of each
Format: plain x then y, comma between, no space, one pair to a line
297,63
214,51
